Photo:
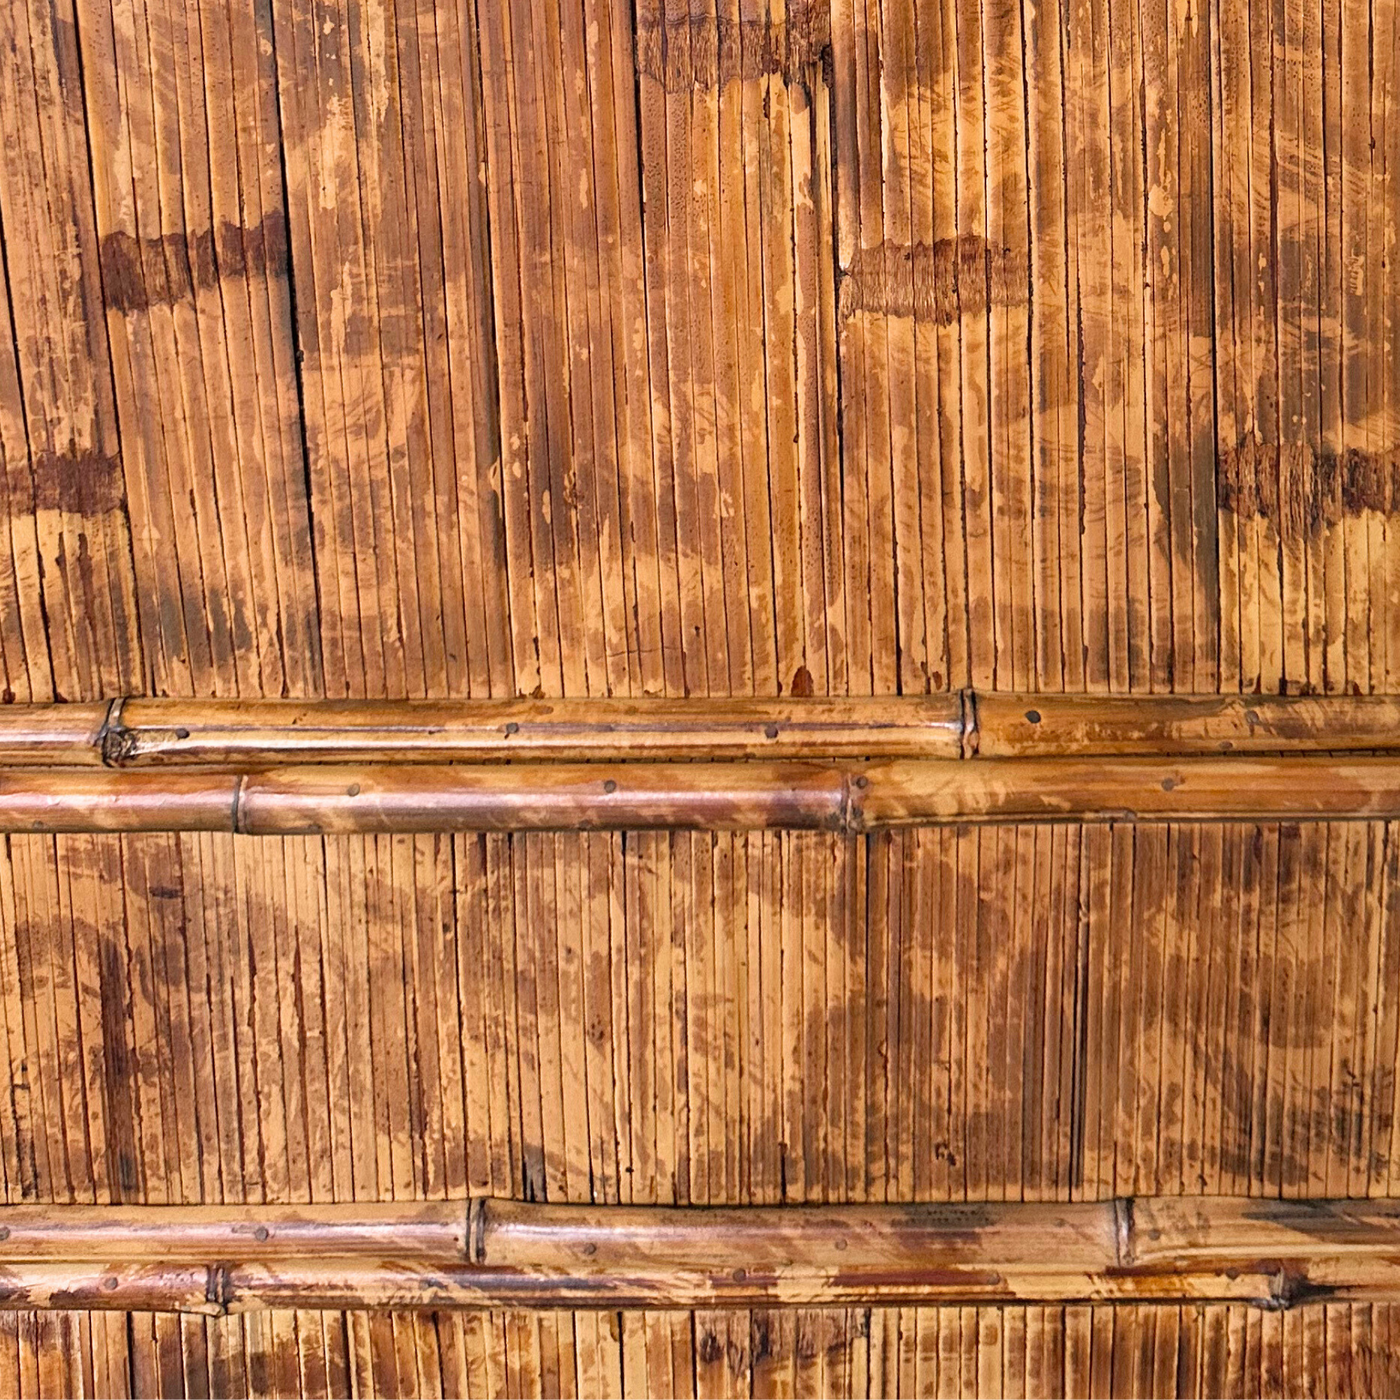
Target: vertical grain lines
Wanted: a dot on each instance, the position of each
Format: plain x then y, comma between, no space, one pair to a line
778,349
194,261
1122,256
67,607
1220,1350
979,1013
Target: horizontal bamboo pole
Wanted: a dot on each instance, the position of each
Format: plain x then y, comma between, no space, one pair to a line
276,732
850,797
53,734
501,1253
1030,726
196,1234
1127,789
249,734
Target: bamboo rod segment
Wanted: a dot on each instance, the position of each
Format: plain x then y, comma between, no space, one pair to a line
195,1234
1027,726
255,733
1127,789
340,1284
511,1254
97,799
698,796
543,797
53,734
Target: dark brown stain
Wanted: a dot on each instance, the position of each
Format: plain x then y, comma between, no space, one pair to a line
1318,1220
938,282
1307,1136
1299,489
1290,991
701,51
809,1334
1294,1289
166,268
24,1146
81,482
119,1077
954,1220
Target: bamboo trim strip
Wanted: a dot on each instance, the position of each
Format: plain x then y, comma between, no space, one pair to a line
698,796
273,732
247,734
1044,726
489,1253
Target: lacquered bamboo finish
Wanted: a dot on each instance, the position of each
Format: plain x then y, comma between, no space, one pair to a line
753,796
493,1253
139,733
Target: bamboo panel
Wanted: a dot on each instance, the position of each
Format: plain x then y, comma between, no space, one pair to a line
770,350
68,617
964,352
184,139
401,402
1338,1349
1037,1012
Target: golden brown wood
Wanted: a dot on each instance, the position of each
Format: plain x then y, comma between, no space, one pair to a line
488,1252
270,733
730,365
1124,789
194,1234
539,797
751,796
87,799
1027,726
53,734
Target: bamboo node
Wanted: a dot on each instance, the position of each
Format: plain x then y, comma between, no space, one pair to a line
971,735
1124,1231
476,1230
117,743
218,1288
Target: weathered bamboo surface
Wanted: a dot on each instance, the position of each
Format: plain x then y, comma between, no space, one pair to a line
936,354
1121,1350
772,350
755,796
1037,1012
855,765
503,1253
269,733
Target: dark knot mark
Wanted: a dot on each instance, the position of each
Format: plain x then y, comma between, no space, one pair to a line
85,483
169,267
701,51
938,282
1299,489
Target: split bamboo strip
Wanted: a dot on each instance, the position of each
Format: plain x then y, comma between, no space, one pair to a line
487,1253
405,798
